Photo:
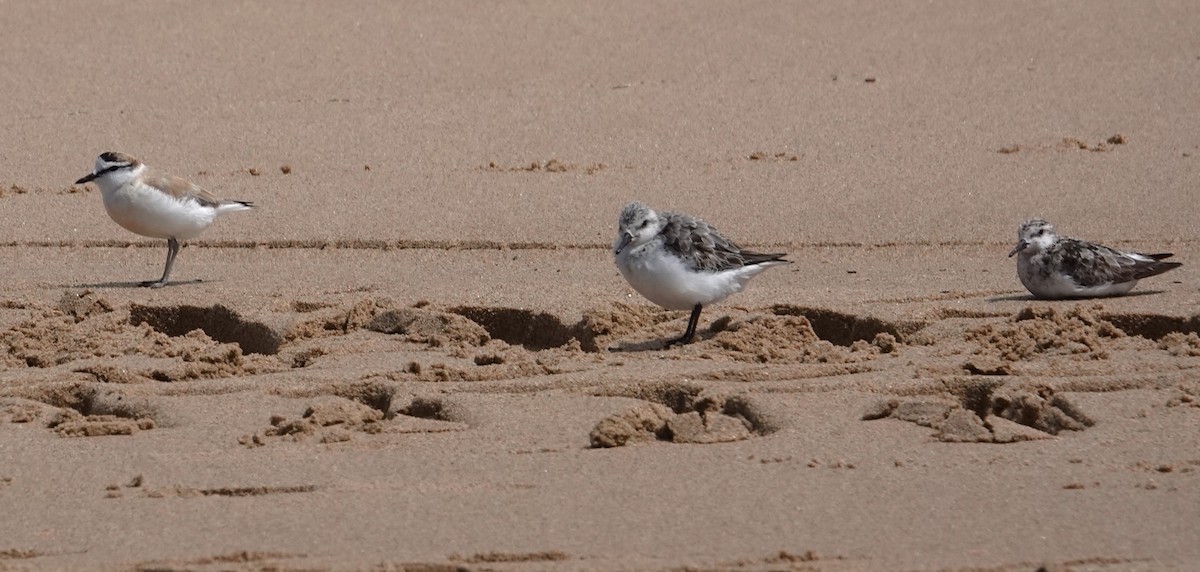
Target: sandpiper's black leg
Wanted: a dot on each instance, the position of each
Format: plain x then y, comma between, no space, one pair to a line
691,328
172,251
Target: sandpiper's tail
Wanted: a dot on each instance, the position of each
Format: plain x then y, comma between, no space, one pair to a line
760,258
1155,266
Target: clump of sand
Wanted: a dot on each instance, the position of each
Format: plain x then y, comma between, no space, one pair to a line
495,362
82,305
621,321
649,422
642,423
19,410
739,336
80,409
419,324
680,413
1180,344
84,327
74,424
331,320
984,411
338,411
785,339
1078,332
430,327
328,419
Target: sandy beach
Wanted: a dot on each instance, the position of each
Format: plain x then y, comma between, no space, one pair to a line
416,353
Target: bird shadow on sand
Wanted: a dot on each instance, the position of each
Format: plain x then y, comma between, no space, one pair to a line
1031,298
654,345
139,284
645,346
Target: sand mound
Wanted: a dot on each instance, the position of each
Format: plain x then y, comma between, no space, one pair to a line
780,336
85,327
16,410
330,419
81,409
203,360
643,423
708,427
1154,326
217,321
328,320
425,326
680,413
763,338
396,404
90,399
453,327
529,329
846,329
619,321
984,411
368,408
492,363
112,374
650,421
1078,331
82,305
1178,344
1188,395
73,424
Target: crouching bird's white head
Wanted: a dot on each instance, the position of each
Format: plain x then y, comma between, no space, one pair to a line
154,204
1052,266
681,263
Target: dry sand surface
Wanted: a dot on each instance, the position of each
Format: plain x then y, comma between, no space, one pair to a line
416,354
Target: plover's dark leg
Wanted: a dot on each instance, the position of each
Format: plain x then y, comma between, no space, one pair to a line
687,336
172,251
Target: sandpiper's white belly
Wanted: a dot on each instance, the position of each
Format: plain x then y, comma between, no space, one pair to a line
665,280
1053,283
149,212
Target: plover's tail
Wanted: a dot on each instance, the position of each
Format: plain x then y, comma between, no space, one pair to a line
234,206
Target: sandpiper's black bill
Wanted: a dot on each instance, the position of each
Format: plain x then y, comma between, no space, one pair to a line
1018,248
626,238
86,179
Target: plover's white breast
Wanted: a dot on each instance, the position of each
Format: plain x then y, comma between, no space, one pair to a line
148,211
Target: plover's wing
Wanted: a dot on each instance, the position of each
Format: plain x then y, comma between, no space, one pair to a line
183,189
1095,265
701,247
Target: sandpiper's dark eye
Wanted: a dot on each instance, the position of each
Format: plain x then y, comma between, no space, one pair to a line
645,223
1041,231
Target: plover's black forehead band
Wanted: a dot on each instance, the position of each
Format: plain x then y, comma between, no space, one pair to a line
111,157
112,168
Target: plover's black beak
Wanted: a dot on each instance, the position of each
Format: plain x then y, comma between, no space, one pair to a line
1018,248
86,179
626,238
